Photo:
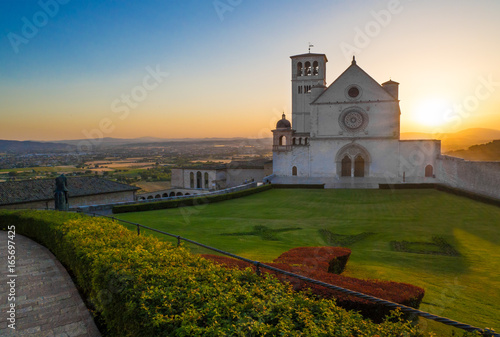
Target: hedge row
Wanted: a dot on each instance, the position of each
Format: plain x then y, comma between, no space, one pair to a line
330,259
316,267
142,286
195,201
444,188
301,186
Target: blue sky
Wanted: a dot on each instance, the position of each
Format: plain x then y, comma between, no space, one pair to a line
228,71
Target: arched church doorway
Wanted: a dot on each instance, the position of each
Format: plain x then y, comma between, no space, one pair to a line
346,166
359,166
353,160
294,171
429,171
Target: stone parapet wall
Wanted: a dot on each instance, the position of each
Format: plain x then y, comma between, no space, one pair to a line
97,199
474,176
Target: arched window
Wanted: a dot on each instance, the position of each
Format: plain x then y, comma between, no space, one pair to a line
282,140
346,166
315,68
429,171
179,194
164,195
191,180
158,196
198,180
299,69
294,171
150,197
308,69
172,194
359,167
206,179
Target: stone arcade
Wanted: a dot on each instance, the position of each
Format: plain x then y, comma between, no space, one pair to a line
346,135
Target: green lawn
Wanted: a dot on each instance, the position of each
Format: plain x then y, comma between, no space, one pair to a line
464,287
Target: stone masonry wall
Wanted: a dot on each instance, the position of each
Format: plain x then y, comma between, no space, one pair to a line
474,176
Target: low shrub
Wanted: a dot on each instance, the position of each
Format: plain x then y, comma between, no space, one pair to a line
330,259
142,286
317,268
301,186
194,201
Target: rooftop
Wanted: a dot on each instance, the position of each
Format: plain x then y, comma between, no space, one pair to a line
15,192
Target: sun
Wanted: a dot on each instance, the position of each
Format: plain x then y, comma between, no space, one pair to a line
432,112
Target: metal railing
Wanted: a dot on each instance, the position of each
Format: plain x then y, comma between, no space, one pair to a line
258,265
90,208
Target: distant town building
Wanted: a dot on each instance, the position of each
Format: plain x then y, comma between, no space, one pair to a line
221,176
83,191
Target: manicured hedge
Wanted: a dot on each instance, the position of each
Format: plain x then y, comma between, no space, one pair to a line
330,259
142,286
444,188
195,201
302,261
304,186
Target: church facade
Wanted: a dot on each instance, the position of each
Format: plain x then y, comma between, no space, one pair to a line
347,134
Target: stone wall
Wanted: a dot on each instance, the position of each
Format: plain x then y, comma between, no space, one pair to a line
177,177
236,177
474,176
416,156
97,199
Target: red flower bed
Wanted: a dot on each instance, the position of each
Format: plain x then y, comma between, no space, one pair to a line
297,262
330,259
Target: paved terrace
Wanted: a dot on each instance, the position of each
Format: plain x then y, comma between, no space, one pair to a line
47,302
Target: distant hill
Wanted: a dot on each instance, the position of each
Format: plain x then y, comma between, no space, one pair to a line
20,147
459,140
483,152
110,142
14,146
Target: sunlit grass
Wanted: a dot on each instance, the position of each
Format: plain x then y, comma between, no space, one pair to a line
464,288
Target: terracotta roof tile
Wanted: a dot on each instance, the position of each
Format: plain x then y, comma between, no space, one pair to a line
14,192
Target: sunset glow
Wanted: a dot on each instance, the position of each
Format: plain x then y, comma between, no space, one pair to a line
191,69
433,112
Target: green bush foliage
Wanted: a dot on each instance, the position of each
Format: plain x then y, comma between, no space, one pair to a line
142,286
195,201
316,263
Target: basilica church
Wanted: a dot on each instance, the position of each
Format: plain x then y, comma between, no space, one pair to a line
346,135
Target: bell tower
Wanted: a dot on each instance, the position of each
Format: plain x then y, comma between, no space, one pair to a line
308,72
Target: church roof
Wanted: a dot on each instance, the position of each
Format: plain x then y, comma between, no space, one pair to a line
309,54
235,164
390,82
15,192
283,123
358,72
